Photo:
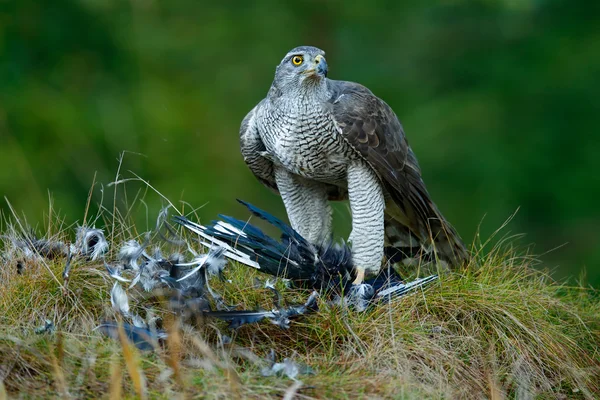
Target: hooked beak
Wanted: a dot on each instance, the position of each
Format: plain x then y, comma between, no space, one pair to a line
319,68
321,65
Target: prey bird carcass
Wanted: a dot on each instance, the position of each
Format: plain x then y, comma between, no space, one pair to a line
327,270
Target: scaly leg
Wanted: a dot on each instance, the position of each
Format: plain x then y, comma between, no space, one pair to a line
367,205
306,204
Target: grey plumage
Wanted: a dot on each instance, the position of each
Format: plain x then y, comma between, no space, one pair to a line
313,139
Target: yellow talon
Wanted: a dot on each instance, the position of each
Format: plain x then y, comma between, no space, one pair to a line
360,276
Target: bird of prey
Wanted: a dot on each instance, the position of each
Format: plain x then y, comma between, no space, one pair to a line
313,139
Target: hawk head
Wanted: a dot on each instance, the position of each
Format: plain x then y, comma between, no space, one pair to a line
301,67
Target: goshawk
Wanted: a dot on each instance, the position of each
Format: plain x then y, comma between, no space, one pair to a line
313,139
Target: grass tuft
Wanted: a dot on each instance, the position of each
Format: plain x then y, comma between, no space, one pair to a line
500,328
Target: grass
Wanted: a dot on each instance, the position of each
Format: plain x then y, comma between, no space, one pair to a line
498,329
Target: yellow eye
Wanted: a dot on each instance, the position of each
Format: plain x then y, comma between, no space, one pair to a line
297,60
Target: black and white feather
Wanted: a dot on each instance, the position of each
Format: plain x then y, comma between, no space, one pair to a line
328,267
327,271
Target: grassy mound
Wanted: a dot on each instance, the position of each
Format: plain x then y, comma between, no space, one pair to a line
497,329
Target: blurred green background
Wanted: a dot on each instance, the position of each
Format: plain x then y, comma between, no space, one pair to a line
499,99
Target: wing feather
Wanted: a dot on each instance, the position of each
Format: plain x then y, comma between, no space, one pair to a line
252,147
371,127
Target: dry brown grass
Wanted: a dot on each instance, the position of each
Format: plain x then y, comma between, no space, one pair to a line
501,329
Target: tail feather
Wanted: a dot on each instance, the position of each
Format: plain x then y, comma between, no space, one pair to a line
434,235
447,243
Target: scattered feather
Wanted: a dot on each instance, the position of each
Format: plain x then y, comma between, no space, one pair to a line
199,261
129,254
135,280
138,321
161,223
288,368
277,298
115,273
230,250
90,242
399,289
215,263
31,247
67,271
279,316
360,296
149,274
119,300
48,327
